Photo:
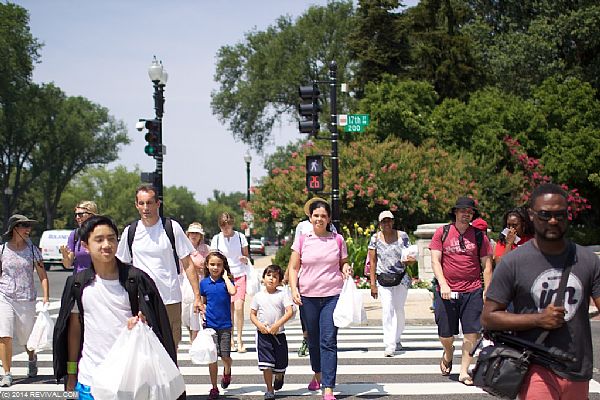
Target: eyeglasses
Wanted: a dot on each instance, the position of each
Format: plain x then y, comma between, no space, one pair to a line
23,225
544,215
81,214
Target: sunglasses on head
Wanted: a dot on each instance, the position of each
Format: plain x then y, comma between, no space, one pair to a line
544,215
81,214
23,225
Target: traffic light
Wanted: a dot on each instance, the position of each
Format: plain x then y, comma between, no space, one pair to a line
309,110
314,173
153,148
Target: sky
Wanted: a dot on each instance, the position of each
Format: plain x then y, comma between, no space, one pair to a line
101,50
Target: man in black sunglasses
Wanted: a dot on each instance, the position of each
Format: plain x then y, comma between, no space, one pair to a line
529,278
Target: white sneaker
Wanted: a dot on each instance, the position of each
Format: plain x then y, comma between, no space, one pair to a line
6,380
388,353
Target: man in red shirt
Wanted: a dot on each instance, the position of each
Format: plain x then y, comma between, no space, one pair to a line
460,295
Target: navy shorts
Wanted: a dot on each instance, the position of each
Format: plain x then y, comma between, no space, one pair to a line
466,309
272,352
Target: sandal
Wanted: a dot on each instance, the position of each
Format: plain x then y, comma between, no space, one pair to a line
446,366
466,380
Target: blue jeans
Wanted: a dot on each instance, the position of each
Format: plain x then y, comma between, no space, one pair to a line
84,392
322,336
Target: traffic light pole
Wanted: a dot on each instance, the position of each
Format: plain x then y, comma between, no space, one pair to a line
159,101
335,175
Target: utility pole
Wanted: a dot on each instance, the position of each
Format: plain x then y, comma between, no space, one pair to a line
335,173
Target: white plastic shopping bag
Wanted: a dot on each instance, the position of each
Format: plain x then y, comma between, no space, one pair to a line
204,350
252,280
349,309
410,251
137,367
41,336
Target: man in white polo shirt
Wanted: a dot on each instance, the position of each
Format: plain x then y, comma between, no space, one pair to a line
152,252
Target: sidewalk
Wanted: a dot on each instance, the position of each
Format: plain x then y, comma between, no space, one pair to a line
416,309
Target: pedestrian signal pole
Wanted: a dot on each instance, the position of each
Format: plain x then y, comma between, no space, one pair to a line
335,174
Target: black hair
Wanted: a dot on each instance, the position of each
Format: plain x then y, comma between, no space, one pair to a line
546,188
92,222
273,268
318,204
218,254
523,215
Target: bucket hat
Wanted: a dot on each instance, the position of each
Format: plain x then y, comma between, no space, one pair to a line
195,227
13,221
464,202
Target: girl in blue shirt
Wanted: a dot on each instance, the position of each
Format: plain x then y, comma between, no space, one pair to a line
216,290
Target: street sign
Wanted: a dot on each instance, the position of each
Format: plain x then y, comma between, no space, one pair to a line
248,216
342,120
357,122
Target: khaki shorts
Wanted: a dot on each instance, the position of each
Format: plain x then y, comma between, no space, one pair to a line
174,314
16,319
190,319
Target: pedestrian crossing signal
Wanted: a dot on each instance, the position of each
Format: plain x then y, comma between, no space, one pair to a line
314,173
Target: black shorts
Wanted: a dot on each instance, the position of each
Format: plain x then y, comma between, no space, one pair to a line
272,352
466,309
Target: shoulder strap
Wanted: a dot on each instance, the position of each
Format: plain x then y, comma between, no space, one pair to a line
445,232
1,253
564,278
168,226
300,243
131,236
339,239
479,242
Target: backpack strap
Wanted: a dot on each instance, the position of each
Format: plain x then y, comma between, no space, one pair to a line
479,242
1,253
445,232
167,226
131,236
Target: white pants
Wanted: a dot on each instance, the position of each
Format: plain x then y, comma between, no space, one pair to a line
392,313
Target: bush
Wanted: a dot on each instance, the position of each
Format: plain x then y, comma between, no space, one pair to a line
282,257
357,242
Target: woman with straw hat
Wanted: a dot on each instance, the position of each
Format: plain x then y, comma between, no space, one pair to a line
190,319
18,259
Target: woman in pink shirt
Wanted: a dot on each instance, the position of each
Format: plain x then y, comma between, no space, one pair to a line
322,258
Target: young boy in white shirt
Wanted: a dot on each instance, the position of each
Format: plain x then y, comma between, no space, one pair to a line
113,295
270,310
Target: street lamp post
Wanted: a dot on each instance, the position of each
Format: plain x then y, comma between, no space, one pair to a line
158,75
248,160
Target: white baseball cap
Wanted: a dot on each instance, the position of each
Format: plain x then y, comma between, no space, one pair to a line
385,214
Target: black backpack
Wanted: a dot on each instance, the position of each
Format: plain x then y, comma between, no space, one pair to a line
167,225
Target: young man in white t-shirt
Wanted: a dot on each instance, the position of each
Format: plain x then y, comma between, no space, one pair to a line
100,299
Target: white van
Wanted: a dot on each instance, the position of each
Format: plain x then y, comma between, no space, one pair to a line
50,243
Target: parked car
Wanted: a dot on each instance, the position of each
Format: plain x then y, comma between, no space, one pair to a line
257,247
50,243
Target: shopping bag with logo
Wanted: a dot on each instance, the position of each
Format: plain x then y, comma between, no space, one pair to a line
40,338
204,350
137,367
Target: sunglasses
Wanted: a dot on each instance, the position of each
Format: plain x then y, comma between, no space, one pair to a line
81,214
23,225
544,215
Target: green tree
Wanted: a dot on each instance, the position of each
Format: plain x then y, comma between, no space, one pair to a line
19,50
377,41
259,77
74,133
